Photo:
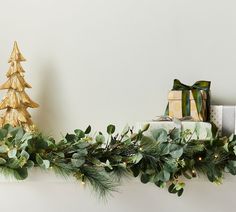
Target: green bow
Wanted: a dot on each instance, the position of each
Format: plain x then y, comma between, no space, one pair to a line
196,89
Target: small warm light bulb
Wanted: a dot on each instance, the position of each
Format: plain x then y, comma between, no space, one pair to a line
140,148
200,158
216,156
83,183
193,171
125,163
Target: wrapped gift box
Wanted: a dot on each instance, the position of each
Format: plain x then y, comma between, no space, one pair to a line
204,127
176,107
189,101
224,117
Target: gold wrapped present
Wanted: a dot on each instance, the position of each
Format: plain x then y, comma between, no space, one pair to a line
193,101
175,106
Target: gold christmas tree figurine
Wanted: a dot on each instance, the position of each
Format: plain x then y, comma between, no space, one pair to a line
16,100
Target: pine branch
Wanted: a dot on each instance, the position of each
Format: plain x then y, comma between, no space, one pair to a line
99,180
61,171
119,173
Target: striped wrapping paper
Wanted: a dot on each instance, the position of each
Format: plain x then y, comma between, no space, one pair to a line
224,117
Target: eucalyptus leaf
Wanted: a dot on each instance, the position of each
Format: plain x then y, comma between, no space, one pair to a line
176,150
83,144
70,137
13,163
76,155
88,130
39,160
21,173
147,142
179,186
135,170
82,152
187,175
19,135
164,148
26,136
8,127
137,157
2,161
111,129
171,165
231,138
226,147
3,133
12,153
177,153
46,164
231,167
145,178
14,130
25,154
172,189
79,133
159,135
180,192
4,148
175,134
29,164
235,150
78,162
160,184
100,139
163,175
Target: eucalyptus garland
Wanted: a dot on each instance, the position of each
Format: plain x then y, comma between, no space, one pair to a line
160,157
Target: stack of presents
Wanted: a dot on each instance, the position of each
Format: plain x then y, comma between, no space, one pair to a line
191,106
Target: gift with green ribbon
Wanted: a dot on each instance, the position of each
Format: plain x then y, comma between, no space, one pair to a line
192,101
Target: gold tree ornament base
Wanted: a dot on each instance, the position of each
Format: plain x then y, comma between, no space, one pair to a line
16,101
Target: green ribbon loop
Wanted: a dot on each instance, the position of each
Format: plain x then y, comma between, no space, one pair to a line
196,90
199,85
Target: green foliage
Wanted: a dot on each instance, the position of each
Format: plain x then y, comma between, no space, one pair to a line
99,179
110,129
176,188
14,158
160,157
100,139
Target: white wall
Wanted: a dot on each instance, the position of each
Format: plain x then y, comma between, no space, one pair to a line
105,61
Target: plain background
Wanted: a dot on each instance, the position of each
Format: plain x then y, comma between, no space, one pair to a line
105,61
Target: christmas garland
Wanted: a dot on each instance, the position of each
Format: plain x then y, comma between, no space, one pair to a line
158,157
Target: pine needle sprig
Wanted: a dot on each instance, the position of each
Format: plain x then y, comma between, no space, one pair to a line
99,180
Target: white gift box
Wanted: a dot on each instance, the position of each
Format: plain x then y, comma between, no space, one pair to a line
224,117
